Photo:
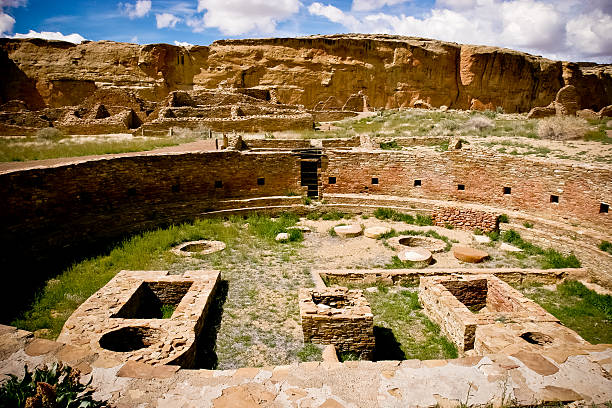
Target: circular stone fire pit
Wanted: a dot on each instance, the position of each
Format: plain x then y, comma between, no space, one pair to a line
404,242
130,338
202,247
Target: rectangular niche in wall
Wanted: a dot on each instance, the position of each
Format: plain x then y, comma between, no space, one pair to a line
604,208
374,180
461,187
332,180
261,181
507,190
417,183
218,184
554,199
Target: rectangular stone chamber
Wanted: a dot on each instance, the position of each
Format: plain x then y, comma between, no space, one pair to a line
124,319
483,314
340,317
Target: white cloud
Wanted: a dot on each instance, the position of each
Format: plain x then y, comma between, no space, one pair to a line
561,29
134,39
166,20
367,5
12,3
140,9
182,44
47,35
234,17
6,23
333,14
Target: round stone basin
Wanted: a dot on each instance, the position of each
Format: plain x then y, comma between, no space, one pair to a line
130,338
201,247
410,241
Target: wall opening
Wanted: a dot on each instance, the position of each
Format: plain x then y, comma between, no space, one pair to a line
374,180
460,187
310,177
417,183
554,199
218,184
129,339
604,208
331,180
507,190
261,181
176,188
131,192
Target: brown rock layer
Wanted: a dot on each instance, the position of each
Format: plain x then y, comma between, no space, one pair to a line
389,71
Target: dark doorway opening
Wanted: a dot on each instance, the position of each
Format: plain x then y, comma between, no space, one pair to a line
310,177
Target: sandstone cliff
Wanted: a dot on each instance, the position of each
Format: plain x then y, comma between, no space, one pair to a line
390,71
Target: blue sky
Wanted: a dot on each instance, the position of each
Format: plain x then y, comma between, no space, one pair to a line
558,29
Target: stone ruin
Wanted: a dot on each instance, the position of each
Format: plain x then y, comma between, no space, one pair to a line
482,314
338,316
124,318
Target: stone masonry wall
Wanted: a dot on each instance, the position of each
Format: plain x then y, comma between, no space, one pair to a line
580,188
465,219
51,216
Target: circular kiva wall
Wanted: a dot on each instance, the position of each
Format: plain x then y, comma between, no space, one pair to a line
66,209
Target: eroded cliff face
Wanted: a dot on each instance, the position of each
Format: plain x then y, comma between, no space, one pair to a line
390,71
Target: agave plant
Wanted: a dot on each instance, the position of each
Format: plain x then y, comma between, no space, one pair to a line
55,386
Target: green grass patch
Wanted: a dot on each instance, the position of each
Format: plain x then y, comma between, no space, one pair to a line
390,214
402,331
392,145
45,148
310,352
577,307
503,218
549,258
334,216
167,310
606,246
268,228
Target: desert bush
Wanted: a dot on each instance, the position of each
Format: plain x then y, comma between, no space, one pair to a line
52,386
479,122
50,133
562,128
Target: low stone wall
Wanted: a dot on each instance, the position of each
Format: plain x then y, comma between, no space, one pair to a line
465,219
331,116
277,143
412,277
354,141
337,316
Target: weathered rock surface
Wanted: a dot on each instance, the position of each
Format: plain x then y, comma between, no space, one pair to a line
389,71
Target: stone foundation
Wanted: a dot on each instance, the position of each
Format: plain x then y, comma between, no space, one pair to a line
338,316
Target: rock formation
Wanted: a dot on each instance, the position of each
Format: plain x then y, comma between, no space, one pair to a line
354,72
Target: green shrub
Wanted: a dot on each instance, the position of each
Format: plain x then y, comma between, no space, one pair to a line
50,133
606,246
295,235
313,216
55,386
477,231
307,200
309,352
449,226
334,216
390,214
550,258
493,235
527,224
265,227
167,310
503,218
348,356
392,145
